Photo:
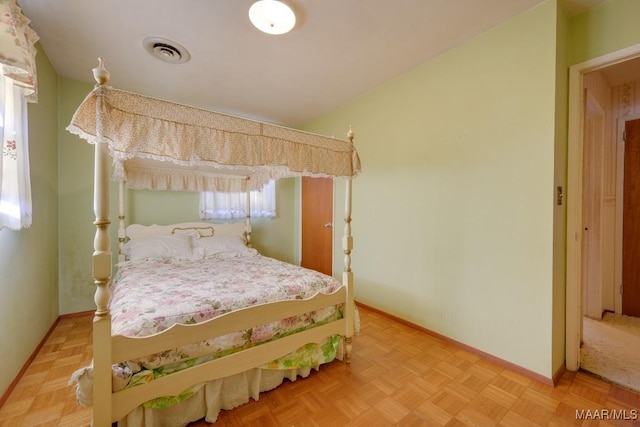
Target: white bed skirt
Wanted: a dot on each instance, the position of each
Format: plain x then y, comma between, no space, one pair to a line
213,396
207,402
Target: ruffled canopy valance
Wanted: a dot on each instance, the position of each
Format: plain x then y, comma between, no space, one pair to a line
162,145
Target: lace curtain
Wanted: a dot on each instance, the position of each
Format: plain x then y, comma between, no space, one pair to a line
15,186
18,84
217,205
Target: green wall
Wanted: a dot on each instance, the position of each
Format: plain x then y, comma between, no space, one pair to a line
454,218
28,258
605,28
453,215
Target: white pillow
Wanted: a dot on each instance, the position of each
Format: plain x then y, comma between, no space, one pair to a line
222,246
164,246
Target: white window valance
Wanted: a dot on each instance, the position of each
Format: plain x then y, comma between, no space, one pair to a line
17,48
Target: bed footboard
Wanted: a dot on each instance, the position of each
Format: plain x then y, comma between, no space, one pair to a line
127,348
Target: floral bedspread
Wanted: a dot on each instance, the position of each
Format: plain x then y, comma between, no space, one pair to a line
150,295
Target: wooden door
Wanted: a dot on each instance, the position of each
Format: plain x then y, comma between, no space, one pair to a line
593,208
317,224
631,221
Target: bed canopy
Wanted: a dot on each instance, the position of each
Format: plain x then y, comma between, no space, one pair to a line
162,145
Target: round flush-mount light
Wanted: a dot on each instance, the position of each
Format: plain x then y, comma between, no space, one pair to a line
272,16
166,50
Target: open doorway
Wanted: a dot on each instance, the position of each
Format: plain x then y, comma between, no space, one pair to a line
611,230
604,92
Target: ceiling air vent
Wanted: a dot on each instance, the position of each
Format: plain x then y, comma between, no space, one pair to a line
166,50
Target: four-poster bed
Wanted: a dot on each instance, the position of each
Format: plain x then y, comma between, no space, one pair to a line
167,146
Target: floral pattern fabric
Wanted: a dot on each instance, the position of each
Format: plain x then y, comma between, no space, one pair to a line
150,295
17,48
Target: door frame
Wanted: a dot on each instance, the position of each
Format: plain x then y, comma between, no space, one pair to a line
573,311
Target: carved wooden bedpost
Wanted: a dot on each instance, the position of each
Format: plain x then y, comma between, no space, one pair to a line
122,231
101,268
248,227
347,275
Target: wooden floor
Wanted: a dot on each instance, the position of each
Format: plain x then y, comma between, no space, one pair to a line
399,376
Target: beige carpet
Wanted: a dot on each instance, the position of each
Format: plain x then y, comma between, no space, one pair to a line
611,349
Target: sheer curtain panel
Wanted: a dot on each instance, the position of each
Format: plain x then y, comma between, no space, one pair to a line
18,84
218,205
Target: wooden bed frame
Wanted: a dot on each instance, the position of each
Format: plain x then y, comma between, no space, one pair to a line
110,406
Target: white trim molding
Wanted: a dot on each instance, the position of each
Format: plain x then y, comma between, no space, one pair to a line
574,196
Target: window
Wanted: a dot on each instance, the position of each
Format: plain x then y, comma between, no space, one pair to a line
15,183
216,205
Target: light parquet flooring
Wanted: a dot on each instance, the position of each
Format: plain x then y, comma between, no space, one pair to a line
399,376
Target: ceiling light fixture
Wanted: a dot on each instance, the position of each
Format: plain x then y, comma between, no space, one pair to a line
272,16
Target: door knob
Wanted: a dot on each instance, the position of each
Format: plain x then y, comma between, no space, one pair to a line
328,225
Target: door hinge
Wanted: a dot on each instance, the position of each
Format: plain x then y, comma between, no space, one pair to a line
624,135
620,289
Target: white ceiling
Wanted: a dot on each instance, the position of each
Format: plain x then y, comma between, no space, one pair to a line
338,50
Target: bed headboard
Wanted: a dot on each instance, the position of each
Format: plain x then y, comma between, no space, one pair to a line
206,229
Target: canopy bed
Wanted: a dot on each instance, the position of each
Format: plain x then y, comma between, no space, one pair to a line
158,358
